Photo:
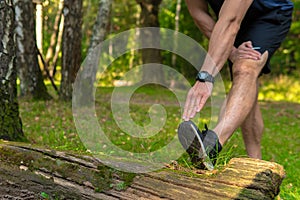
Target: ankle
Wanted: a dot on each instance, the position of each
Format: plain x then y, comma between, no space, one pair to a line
222,140
255,153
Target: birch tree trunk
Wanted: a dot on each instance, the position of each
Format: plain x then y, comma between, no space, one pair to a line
99,32
55,33
71,48
101,23
10,122
177,17
149,18
30,74
58,47
39,24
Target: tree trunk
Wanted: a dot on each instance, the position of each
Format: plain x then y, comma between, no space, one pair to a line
31,172
149,18
58,47
31,78
39,24
10,122
101,23
177,17
55,34
71,48
99,32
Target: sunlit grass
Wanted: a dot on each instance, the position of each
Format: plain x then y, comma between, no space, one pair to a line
281,88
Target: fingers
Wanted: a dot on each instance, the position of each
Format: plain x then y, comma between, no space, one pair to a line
248,44
196,99
190,107
187,106
246,51
202,102
249,54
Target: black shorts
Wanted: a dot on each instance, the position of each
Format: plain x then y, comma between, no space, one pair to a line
266,31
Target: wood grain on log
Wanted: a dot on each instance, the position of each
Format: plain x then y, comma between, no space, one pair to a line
28,172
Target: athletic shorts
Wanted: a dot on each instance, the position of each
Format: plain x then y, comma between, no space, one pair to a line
266,31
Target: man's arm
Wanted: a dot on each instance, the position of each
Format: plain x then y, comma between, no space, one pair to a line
204,21
221,42
201,16
224,33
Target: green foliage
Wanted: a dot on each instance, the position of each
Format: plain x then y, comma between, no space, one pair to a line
186,23
44,195
125,15
281,88
50,8
286,60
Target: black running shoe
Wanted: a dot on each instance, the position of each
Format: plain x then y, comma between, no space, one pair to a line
202,147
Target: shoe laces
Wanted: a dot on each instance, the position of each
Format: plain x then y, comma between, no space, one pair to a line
204,132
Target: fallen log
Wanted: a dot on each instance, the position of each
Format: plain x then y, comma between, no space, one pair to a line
28,172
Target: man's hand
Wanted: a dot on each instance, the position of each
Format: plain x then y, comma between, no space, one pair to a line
244,51
196,99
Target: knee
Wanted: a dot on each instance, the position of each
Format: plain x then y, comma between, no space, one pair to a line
249,67
243,69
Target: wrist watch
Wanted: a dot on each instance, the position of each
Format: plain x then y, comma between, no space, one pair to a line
204,76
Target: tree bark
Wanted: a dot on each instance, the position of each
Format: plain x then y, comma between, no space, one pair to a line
30,74
39,24
10,122
101,24
27,171
58,47
177,17
99,33
149,18
71,48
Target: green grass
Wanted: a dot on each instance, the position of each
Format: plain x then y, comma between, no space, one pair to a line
50,123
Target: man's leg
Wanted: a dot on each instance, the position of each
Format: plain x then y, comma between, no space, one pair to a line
241,98
252,129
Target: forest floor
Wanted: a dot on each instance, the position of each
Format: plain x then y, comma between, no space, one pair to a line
51,124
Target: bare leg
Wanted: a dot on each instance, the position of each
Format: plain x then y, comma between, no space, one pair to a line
241,98
252,129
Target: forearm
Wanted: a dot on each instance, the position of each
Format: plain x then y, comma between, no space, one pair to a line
202,18
205,23
220,46
224,33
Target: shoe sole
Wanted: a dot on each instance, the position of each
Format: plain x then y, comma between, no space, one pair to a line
189,139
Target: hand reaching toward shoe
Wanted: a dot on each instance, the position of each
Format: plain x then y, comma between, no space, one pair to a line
196,99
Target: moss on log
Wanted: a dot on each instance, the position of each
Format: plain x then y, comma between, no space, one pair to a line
28,172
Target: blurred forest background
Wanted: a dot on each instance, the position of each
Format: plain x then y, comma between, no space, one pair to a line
88,22
170,14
